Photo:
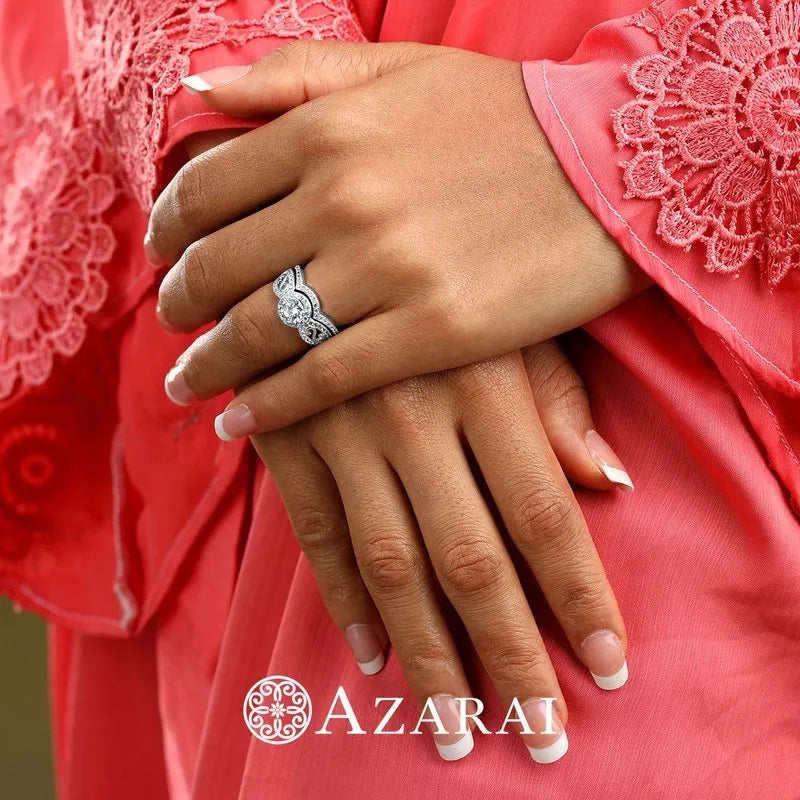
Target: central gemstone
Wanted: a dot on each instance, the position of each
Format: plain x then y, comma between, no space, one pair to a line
294,310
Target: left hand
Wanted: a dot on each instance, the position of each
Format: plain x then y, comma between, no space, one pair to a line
415,183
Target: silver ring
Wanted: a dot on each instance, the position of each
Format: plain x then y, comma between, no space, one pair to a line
299,307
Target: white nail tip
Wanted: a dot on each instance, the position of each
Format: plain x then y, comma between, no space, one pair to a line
219,430
609,682
551,753
167,381
197,83
618,476
460,749
372,667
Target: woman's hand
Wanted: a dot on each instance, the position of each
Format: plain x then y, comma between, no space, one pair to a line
415,183
389,498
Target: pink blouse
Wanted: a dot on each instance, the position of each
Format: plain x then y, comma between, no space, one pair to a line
678,124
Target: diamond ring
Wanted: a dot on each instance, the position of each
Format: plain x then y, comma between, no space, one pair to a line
299,307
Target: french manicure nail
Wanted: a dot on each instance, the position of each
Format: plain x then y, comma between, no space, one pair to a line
366,648
235,423
454,744
214,78
604,655
548,742
176,387
607,461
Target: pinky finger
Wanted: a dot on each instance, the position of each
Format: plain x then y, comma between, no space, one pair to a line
366,356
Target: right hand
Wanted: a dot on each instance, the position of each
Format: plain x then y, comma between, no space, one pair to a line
385,496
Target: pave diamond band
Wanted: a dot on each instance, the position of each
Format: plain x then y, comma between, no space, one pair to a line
299,307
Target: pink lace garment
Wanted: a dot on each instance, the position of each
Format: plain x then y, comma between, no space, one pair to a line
716,130
121,514
91,119
70,143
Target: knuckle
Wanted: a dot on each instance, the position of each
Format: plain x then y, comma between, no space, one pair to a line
246,330
295,53
317,532
562,386
553,377
402,406
197,270
583,600
446,308
188,193
515,663
494,378
337,126
388,562
357,198
544,512
424,663
332,377
469,565
402,245
341,593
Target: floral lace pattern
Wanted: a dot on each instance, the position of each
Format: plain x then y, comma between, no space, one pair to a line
67,151
53,241
133,53
716,130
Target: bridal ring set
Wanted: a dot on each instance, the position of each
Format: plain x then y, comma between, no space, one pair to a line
299,307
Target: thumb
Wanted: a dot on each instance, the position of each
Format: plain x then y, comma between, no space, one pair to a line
563,407
297,73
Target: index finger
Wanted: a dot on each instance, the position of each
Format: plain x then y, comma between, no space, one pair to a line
226,183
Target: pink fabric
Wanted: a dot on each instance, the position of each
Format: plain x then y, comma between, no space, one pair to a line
165,533
76,319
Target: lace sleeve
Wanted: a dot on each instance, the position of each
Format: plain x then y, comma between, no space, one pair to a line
83,141
77,149
680,127
131,54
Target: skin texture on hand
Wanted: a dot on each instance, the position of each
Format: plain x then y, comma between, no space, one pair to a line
416,185
387,497
386,493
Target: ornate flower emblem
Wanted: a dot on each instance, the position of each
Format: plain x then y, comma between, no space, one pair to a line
277,710
52,238
716,130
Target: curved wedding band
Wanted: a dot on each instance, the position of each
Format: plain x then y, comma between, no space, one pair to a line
299,307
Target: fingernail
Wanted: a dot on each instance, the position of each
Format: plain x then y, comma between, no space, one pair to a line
604,655
176,387
163,321
454,744
548,742
150,252
214,78
235,423
607,461
366,648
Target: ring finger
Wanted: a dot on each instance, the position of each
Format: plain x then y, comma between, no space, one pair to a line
251,338
478,576
392,560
